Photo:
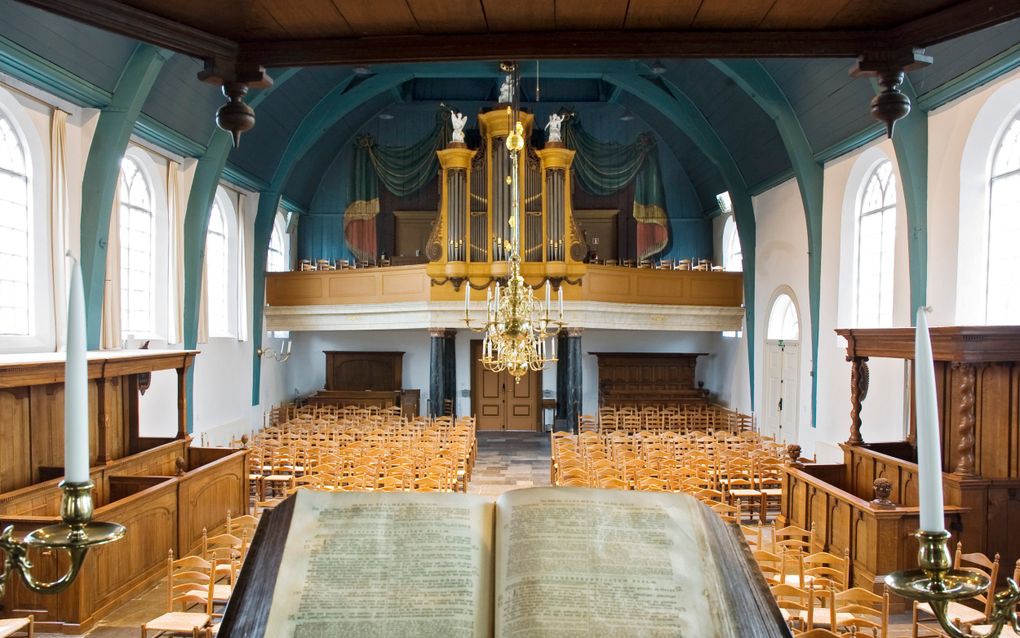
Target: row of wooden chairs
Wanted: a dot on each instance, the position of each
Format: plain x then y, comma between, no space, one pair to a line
199,586
739,473
654,417
340,264
660,264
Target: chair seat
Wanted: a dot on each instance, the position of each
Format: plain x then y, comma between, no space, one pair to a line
745,493
1007,632
10,625
821,617
178,621
772,491
278,477
956,611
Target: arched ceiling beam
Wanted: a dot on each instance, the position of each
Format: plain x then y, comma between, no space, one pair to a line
685,115
102,171
910,143
196,222
333,107
672,102
752,77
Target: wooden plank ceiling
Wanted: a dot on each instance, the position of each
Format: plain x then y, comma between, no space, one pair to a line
305,19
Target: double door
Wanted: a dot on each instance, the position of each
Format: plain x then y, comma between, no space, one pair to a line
782,381
499,403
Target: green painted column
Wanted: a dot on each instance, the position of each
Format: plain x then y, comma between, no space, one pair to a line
269,203
102,173
682,111
910,143
196,223
752,77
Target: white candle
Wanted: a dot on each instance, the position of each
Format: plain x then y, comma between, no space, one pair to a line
554,339
559,294
467,297
929,453
76,385
548,293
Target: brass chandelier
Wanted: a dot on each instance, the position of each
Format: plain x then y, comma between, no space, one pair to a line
517,328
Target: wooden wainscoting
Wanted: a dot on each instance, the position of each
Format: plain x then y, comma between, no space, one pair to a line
617,284
393,284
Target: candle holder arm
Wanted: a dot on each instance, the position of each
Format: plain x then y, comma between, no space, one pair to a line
1004,614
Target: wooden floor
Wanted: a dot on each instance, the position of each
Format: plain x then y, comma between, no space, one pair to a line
506,461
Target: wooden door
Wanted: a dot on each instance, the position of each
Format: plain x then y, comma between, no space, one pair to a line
782,382
499,403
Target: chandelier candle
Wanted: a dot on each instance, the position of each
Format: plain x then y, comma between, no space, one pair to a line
929,457
76,385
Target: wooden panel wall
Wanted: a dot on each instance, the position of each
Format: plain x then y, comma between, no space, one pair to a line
639,378
364,370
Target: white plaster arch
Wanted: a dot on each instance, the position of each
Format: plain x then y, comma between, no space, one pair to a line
975,171
42,336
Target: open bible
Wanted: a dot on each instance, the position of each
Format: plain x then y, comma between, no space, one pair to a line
536,562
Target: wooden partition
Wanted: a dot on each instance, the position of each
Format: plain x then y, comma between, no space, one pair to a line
636,379
32,409
160,510
977,373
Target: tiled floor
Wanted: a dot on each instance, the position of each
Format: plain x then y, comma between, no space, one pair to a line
506,460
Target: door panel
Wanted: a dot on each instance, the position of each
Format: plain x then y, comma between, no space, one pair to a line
501,404
791,391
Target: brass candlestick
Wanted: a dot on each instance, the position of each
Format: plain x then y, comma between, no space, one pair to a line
937,583
75,536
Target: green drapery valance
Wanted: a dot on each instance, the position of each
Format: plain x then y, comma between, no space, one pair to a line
603,168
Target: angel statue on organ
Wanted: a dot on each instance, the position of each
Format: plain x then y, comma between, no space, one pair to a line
459,120
553,126
506,90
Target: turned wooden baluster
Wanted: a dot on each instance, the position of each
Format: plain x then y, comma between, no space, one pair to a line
858,392
965,448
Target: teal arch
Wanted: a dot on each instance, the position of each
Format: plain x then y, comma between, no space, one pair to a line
333,107
196,222
671,102
759,85
910,143
102,169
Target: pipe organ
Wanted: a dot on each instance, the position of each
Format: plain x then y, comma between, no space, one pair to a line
471,237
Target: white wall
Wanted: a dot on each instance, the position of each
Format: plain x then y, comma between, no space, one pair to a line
960,135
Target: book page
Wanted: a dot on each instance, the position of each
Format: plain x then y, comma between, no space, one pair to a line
385,564
588,562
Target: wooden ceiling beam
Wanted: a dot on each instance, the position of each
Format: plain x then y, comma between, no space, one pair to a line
126,20
561,44
952,22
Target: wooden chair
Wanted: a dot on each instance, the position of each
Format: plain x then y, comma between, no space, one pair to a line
819,633
795,605
187,585
959,612
859,608
237,525
11,626
1007,632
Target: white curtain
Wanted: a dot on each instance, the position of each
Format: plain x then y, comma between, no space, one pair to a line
242,273
58,224
111,336
203,306
175,215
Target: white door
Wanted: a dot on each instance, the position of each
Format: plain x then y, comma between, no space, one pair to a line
782,378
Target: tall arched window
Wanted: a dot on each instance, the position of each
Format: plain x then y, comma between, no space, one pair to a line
15,234
784,325
276,259
137,251
1002,305
876,237
733,259
217,264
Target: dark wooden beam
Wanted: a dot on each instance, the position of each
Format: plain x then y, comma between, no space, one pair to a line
952,22
561,44
118,17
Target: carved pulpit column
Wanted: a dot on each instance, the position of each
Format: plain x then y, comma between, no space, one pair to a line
967,376
442,370
858,392
568,377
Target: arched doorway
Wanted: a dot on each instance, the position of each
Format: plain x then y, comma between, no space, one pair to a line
782,369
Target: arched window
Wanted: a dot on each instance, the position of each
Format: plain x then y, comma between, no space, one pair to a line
15,234
733,259
217,264
1003,305
784,325
137,251
276,259
875,247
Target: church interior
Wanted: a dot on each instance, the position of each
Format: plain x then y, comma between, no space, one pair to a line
688,246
